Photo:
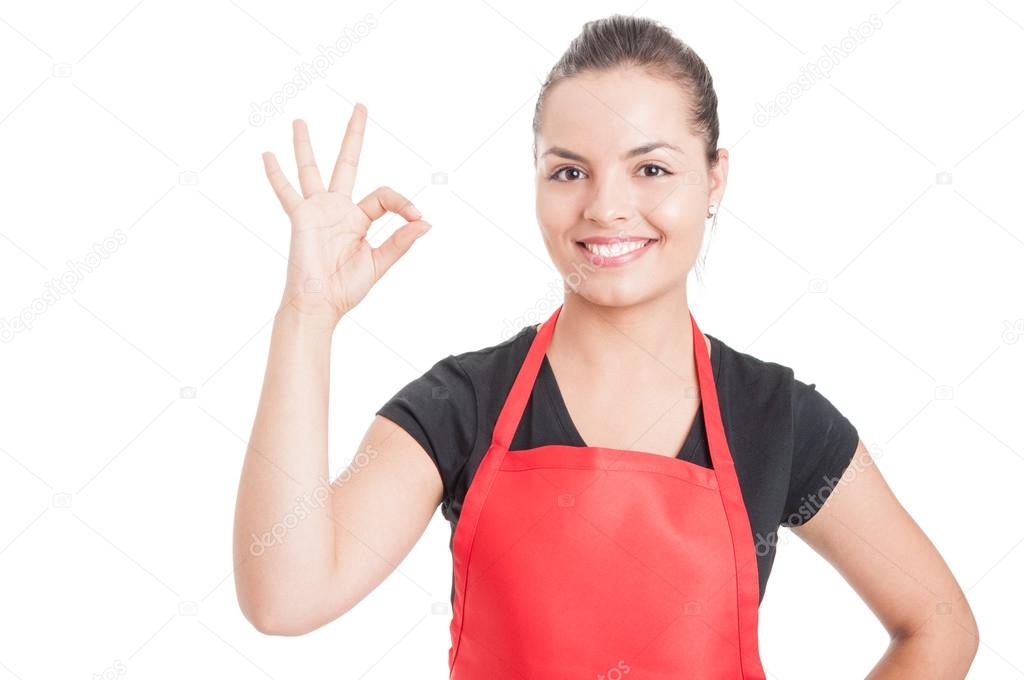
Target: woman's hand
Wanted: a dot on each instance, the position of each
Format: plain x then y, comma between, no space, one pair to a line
331,266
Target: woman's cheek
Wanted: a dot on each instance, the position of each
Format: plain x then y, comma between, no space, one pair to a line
555,213
677,211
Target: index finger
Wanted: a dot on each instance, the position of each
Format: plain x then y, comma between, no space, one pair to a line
282,187
344,176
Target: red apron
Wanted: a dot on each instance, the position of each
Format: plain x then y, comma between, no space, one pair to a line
590,562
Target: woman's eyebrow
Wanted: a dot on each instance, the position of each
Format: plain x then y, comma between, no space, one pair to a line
646,148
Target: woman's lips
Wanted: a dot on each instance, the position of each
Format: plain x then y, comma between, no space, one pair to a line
615,260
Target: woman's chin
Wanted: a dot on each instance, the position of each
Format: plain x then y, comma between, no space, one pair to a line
614,294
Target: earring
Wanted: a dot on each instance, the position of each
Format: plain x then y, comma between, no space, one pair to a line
712,209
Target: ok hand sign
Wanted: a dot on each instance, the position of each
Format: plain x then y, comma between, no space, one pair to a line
331,266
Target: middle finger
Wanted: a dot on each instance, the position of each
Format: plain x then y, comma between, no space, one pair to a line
309,175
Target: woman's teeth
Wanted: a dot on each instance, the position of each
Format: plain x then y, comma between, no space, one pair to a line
614,249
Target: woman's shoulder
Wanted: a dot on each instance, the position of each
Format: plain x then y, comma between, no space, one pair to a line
745,368
772,389
754,371
461,379
484,360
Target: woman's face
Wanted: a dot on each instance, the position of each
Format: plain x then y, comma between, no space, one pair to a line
619,169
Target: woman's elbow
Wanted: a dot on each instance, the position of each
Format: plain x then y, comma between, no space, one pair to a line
278,620
949,637
282,626
970,634
271,614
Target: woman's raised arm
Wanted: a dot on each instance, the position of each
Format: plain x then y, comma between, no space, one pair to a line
307,548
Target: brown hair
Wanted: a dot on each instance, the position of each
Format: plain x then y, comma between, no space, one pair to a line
624,40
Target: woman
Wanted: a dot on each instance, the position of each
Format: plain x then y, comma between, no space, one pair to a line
614,486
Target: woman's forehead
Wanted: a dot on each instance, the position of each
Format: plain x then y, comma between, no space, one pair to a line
611,111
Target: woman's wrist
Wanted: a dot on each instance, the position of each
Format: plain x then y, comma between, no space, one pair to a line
304,323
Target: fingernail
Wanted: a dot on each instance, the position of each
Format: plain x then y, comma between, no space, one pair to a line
415,211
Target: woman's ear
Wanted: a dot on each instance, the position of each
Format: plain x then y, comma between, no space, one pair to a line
718,175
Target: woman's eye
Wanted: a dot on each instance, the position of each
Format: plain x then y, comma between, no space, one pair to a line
560,174
557,175
656,167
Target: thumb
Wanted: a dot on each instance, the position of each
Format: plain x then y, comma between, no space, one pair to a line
389,252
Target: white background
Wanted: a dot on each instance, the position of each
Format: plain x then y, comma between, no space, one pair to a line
841,250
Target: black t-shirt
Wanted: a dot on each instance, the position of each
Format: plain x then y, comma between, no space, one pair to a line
789,444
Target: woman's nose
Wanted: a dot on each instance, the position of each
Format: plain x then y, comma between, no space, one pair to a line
611,203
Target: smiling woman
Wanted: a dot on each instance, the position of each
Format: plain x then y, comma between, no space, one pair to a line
614,478
637,159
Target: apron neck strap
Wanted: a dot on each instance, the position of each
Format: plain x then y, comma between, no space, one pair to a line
515,404
522,388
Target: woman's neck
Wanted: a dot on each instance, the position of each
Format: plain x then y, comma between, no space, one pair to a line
652,340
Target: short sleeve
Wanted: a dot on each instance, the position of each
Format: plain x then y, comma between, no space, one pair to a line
439,410
824,443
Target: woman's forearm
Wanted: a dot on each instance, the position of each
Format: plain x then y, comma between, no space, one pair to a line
284,536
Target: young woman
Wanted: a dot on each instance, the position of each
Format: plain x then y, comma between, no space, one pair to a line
614,478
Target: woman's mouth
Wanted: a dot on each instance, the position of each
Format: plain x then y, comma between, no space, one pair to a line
612,252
